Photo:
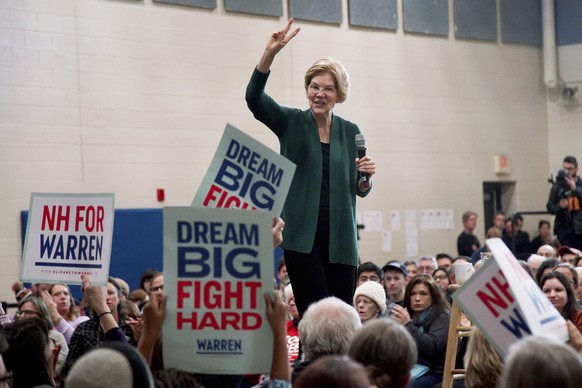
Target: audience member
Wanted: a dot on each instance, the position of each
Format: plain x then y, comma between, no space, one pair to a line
369,271
28,355
427,265
534,262
579,288
544,236
175,378
444,260
498,224
426,316
370,301
467,242
123,287
107,322
569,271
568,255
145,283
35,307
333,372
545,267
411,268
387,351
65,315
484,250
327,328
516,240
139,297
482,362
293,338
541,362
547,251
277,315
5,375
113,364
395,274
443,281
282,277
561,294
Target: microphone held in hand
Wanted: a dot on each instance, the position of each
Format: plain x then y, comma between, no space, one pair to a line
361,147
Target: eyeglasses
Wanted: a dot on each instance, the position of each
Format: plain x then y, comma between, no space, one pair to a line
157,288
6,380
315,89
27,313
365,278
441,277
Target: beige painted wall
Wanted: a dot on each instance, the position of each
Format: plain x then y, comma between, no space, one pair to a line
126,97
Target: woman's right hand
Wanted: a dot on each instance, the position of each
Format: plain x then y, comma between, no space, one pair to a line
280,38
276,42
52,306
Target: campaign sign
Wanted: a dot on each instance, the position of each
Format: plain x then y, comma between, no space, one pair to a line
245,174
68,235
218,264
503,300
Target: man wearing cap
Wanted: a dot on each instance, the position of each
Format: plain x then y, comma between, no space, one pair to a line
564,202
395,274
568,255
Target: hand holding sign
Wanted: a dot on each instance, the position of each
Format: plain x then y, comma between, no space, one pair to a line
506,303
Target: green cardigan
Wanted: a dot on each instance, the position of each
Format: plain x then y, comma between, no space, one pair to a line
300,143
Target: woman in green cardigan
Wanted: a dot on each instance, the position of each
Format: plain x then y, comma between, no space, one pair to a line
320,238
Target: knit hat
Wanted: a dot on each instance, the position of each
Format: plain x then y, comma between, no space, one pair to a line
114,364
374,291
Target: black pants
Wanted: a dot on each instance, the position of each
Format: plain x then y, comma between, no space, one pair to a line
313,277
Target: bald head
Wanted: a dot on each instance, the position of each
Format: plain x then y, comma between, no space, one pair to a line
547,251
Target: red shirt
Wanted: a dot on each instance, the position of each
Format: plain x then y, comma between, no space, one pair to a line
292,342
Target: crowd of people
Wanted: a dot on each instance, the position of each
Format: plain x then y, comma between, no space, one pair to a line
393,334
335,322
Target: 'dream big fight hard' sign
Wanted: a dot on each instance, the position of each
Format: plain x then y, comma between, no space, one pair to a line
217,266
68,235
245,174
505,302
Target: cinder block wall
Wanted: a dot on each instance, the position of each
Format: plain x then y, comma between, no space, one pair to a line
127,97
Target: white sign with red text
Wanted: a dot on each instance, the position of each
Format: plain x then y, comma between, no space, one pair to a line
68,235
245,174
218,264
505,302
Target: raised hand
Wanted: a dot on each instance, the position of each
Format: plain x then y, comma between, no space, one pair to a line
280,38
277,41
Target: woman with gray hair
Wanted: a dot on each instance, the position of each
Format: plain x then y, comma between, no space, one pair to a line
327,328
320,236
36,307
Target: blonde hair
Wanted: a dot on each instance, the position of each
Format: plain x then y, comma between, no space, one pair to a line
336,70
73,312
483,363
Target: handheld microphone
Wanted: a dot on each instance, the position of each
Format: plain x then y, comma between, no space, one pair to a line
361,147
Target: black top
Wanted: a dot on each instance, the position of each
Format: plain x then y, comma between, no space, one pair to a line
324,198
465,244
